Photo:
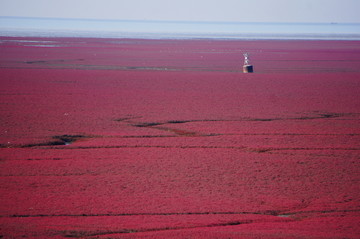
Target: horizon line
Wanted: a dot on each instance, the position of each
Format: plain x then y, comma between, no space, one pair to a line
179,21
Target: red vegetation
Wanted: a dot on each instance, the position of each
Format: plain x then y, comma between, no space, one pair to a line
126,138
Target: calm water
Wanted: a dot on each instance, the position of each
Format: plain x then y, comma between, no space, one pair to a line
11,26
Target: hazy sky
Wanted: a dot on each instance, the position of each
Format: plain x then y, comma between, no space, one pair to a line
340,11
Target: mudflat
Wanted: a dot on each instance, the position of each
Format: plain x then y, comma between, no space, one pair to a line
134,138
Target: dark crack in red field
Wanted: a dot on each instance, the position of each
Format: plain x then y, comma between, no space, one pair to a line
130,138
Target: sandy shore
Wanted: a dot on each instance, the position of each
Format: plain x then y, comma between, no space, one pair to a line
121,138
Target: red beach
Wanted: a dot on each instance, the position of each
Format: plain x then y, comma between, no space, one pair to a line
135,138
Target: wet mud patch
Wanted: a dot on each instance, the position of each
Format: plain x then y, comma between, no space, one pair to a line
97,233
37,159
308,116
260,150
325,115
147,124
65,139
312,116
178,121
285,215
68,139
158,126
333,115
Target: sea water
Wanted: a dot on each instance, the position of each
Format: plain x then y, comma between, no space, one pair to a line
52,27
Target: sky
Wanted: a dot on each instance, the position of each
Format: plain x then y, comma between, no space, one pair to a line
289,11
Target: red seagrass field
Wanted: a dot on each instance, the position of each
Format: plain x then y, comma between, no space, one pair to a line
134,138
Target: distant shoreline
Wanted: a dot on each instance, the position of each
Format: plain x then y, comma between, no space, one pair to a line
142,35
84,28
